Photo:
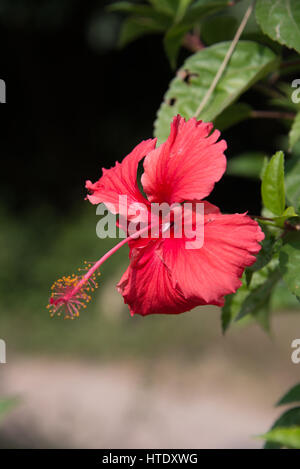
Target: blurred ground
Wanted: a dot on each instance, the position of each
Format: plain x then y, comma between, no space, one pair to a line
219,398
109,380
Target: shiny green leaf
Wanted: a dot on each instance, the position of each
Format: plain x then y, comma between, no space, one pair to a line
249,63
288,437
290,418
272,188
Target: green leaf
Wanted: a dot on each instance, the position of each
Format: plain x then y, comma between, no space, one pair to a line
252,280
259,298
258,282
264,167
280,20
249,63
174,8
184,21
272,188
173,40
282,299
223,27
289,262
181,9
287,214
292,182
203,7
135,27
269,247
285,437
246,165
294,134
169,7
218,29
233,305
6,405
293,395
290,418
232,115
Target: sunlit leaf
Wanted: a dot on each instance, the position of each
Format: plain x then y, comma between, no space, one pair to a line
249,63
290,418
272,188
288,437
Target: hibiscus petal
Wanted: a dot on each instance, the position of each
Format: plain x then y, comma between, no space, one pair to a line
147,285
187,165
120,180
209,273
165,277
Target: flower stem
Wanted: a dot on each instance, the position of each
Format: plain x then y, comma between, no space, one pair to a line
225,61
97,264
272,115
261,218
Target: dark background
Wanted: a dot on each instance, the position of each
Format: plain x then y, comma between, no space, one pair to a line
75,103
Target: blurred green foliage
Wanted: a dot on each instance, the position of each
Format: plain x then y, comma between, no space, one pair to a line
42,246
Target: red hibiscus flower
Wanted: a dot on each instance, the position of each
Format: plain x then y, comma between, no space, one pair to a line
163,275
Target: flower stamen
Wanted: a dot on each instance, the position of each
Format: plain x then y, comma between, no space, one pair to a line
71,293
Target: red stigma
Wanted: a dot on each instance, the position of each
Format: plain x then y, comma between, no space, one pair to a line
71,293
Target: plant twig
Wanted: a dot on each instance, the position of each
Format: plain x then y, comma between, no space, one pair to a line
261,218
225,61
290,63
272,115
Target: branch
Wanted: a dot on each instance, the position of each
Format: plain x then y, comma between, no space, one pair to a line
272,115
225,61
